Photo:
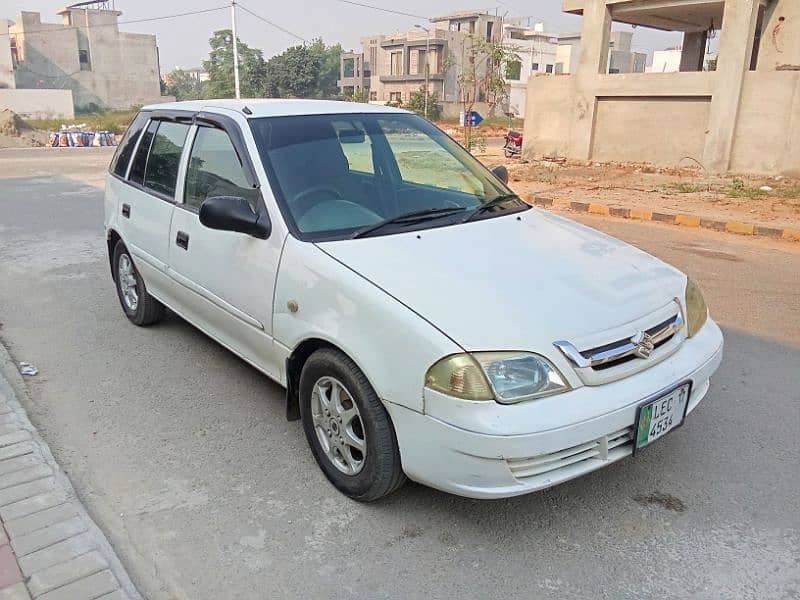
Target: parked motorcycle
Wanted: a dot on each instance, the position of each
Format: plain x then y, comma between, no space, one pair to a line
513,145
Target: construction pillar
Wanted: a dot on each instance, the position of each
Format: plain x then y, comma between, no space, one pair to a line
694,50
735,48
592,61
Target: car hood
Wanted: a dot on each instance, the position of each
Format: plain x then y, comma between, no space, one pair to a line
517,282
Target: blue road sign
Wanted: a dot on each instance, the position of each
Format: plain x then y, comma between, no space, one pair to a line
475,118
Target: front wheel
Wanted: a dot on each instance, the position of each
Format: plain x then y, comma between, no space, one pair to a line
347,427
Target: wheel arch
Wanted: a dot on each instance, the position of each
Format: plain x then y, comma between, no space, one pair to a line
294,367
112,238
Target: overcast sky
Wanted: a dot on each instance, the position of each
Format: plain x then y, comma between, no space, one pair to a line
184,41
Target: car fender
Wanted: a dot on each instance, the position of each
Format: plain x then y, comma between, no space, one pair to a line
317,297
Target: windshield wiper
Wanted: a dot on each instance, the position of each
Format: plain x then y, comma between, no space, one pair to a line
486,206
415,216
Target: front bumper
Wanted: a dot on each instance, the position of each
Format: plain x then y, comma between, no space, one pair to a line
565,436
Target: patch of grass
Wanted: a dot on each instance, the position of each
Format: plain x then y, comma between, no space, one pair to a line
116,121
739,189
787,191
687,188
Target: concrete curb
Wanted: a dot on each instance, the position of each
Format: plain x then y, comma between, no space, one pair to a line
789,234
50,547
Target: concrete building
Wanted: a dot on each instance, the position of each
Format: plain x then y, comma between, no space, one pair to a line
85,53
744,116
621,58
537,51
392,67
669,61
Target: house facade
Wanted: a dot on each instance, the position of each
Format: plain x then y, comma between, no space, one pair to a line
391,67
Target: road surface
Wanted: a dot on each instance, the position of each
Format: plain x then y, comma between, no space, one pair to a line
184,458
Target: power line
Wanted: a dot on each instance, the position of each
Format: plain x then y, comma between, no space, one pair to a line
97,25
386,10
268,22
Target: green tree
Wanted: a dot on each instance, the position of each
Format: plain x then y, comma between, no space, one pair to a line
304,71
328,70
484,62
360,96
417,104
293,73
252,68
182,85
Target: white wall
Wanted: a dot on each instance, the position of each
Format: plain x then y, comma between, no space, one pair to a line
666,61
38,104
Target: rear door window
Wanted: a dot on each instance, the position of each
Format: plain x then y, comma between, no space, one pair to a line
161,171
119,164
140,160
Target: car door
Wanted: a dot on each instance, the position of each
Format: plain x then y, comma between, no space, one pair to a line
147,201
225,279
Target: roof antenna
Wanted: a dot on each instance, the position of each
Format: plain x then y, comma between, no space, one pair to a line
247,111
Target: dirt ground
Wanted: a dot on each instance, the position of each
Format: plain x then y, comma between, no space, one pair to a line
16,133
674,190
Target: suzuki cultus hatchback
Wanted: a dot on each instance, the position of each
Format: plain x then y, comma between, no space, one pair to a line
425,321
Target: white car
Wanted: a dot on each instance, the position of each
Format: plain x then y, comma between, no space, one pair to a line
425,321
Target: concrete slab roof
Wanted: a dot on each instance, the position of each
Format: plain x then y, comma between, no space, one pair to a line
277,107
668,15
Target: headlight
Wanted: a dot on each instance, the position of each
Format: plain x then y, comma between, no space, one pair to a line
696,309
507,377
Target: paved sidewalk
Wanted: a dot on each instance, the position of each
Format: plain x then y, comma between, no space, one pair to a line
50,548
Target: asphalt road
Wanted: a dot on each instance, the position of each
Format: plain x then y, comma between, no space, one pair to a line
184,458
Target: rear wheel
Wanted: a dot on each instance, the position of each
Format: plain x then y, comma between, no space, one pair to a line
139,306
347,427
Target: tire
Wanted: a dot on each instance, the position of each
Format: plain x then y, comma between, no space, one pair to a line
146,310
379,472
508,153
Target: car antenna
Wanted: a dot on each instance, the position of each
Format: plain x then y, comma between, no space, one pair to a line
247,111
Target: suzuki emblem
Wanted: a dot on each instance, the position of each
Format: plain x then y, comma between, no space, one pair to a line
644,344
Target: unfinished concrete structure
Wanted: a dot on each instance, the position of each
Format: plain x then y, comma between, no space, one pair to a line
86,53
744,116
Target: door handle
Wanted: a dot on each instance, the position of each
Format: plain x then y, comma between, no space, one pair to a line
126,211
182,240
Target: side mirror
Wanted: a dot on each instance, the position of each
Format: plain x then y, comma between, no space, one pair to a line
501,173
231,213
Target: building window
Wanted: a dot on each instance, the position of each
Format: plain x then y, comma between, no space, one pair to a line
83,59
396,97
489,27
548,68
349,67
513,70
396,63
534,66
15,53
422,57
373,96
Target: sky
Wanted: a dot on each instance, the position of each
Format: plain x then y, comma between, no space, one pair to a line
183,41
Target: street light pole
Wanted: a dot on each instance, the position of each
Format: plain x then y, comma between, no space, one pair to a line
235,50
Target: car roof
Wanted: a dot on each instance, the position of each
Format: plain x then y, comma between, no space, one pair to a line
277,107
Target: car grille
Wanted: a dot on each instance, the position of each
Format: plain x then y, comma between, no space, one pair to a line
608,447
635,347
661,334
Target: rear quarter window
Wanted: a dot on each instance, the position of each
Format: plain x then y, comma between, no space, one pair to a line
119,164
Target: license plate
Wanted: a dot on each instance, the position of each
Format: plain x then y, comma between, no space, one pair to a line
656,418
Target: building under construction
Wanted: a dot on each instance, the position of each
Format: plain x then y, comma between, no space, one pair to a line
87,54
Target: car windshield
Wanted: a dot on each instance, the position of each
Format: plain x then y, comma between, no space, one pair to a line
346,175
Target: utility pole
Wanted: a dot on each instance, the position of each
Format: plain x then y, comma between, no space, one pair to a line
235,50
